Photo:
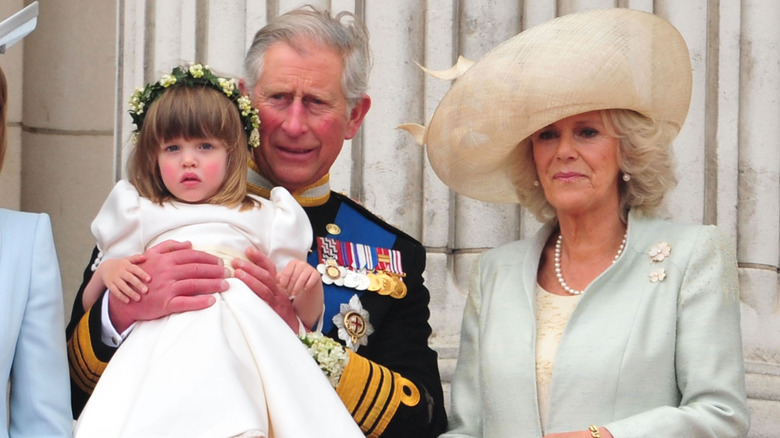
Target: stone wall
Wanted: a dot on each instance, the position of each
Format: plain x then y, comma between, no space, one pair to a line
70,81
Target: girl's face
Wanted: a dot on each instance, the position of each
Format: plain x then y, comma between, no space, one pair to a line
193,170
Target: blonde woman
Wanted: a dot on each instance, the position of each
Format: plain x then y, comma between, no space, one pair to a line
610,321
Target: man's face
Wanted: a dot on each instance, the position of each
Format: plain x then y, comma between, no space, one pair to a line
304,116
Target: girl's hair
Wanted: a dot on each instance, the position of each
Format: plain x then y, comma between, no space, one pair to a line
191,112
3,116
644,152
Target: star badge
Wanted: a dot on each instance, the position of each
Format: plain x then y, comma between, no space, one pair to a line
353,323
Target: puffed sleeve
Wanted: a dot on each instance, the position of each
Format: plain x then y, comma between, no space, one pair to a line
40,396
117,226
290,234
465,417
708,356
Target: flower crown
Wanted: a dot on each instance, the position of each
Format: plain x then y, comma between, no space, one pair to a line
196,74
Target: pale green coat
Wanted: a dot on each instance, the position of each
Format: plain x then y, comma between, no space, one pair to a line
643,358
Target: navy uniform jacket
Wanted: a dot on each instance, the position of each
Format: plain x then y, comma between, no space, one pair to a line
391,385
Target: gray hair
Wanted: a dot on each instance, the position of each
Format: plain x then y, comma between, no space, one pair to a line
344,34
644,152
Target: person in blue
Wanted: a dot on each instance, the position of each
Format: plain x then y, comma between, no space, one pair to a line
32,348
307,75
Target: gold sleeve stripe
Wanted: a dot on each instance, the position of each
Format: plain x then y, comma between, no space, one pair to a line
372,394
85,367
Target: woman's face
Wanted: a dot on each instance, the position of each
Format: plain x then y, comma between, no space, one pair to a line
577,164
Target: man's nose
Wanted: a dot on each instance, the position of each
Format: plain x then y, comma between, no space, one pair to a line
294,124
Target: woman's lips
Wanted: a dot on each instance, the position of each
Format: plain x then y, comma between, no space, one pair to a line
567,176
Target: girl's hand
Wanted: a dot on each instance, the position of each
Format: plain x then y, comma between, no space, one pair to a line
303,285
123,278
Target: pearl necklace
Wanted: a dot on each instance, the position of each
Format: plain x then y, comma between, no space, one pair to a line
558,273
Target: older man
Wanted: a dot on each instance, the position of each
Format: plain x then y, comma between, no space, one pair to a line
307,74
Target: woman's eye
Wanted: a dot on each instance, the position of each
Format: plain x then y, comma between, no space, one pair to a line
545,135
589,132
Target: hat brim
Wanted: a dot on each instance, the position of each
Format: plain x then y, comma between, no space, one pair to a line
594,60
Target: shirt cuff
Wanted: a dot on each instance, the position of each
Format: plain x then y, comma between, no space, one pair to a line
108,333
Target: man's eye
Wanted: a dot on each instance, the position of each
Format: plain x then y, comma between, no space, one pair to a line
311,100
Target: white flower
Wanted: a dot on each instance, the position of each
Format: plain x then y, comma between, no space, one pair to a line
136,104
657,275
254,139
167,80
329,354
196,70
228,85
659,252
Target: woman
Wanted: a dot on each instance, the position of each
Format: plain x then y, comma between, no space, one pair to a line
609,321
32,343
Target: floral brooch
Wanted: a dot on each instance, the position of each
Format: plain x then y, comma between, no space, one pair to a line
658,253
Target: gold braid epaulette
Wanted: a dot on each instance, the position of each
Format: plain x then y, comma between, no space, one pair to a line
372,393
85,367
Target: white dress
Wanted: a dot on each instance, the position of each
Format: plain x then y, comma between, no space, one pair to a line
233,369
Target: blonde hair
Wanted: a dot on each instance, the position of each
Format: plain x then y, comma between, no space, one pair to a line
644,152
191,112
3,116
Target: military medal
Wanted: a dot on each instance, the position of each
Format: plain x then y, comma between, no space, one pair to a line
361,267
400,288
351,279
374,283
331,272
353,323
387,284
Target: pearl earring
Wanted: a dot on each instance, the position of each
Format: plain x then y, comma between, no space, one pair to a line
536,183
626,177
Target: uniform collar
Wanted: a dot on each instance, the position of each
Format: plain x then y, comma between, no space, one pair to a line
310,196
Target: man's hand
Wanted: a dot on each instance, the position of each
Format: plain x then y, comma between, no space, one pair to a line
260,276
182,280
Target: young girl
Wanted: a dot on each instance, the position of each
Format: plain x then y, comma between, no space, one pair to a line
235,368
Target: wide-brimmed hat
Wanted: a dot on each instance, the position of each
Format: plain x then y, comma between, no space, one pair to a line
594,60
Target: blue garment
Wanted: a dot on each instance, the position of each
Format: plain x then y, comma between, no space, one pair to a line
32,345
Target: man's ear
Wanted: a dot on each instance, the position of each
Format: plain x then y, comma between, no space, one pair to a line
242,87
357,115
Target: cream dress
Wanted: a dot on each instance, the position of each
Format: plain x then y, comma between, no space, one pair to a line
233,369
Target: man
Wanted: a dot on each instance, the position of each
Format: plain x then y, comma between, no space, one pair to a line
307,74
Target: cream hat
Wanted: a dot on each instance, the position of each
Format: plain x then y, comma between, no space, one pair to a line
599,59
